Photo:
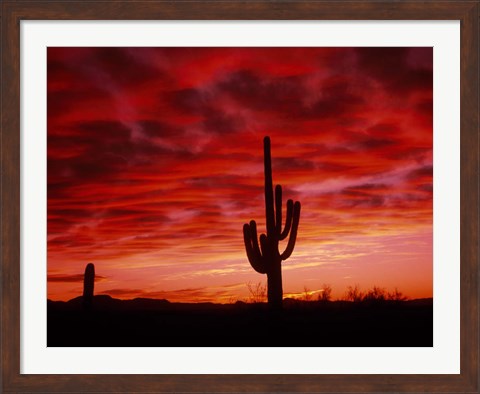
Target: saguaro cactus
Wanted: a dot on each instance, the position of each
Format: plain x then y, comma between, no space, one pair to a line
266,258
88,284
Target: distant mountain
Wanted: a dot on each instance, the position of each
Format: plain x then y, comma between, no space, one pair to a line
105,302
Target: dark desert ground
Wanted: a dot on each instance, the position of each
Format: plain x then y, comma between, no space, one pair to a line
149,322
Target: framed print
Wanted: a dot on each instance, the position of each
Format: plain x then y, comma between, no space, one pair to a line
225,197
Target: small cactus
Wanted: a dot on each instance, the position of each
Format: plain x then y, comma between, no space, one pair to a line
265,258
88,285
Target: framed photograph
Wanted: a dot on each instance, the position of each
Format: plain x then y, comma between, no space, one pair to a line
225,197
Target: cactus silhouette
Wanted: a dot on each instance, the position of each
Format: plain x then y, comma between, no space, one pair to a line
266,258
88,285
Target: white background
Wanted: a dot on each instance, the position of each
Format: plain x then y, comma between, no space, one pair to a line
443,358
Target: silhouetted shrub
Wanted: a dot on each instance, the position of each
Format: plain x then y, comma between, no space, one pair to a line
307,295
376,294
326,293
258,292
397,296
354,294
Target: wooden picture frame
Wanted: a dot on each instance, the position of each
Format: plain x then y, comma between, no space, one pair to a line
13,12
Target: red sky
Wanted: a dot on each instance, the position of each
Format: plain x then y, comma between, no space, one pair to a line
155,162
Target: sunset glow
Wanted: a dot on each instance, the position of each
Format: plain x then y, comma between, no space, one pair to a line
155,162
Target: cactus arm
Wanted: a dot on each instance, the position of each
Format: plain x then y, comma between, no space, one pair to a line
264,246
269,213
253,237
248,243
293,234
253,251
288,220
278,209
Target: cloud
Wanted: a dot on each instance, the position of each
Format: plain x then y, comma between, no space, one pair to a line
400,70
375,143
122,66
369,186
157,128
71,278
286,96
426,187
384,129
291,163
365,195
61,102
